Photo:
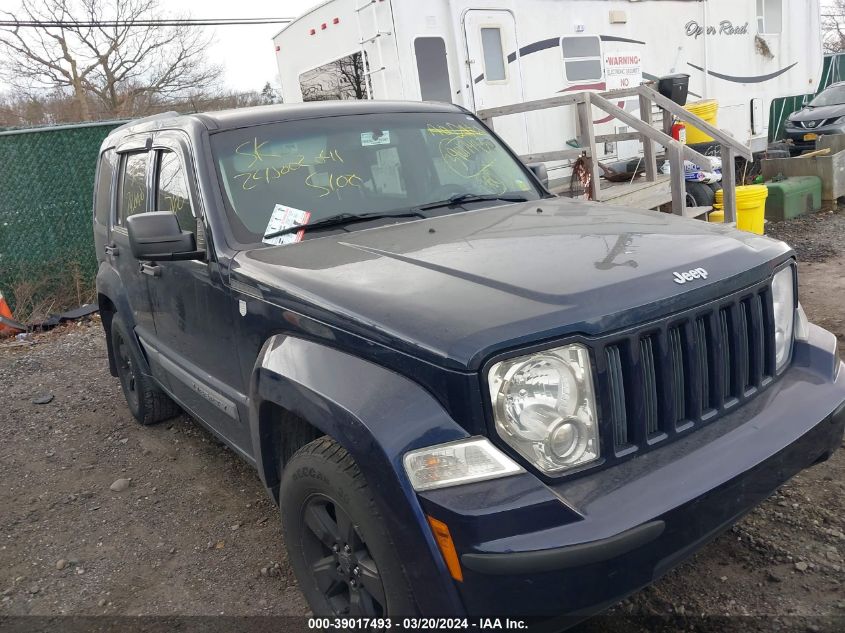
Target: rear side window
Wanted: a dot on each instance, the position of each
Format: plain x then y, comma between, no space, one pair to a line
172,191
102,193
582,58
132,190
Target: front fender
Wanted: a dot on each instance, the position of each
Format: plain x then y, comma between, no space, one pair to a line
376,415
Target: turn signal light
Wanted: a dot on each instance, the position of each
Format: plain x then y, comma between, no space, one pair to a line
447,547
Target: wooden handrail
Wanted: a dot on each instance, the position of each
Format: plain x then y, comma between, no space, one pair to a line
701,124
528,106
647,130
676,151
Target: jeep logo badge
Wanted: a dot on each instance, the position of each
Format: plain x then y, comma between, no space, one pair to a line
696,273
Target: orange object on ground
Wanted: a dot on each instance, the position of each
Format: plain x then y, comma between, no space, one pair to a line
5,311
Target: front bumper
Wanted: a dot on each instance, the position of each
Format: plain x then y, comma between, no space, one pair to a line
797,135
575,547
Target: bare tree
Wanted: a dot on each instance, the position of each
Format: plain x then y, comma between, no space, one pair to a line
833,26
350,69
121,69
344,78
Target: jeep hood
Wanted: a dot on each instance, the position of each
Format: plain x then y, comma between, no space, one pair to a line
457,288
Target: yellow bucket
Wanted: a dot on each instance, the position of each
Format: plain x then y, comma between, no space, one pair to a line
716,217
707,110
750,208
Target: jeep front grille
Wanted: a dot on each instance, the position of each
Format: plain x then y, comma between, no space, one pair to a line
681,373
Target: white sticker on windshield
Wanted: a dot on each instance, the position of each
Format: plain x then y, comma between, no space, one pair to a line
283,218
376,137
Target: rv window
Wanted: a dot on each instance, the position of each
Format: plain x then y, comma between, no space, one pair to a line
582,58
344,78
494,56
433,69
769,16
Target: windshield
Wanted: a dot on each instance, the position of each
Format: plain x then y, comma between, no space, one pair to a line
284,174
831,96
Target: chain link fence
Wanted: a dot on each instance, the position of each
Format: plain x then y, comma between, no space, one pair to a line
47,260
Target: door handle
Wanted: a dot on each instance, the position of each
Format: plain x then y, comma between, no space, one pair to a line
150,269
112,250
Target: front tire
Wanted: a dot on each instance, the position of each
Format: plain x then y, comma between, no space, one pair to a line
146,401
338,545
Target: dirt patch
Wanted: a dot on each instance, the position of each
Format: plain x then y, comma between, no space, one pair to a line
816,237
195,534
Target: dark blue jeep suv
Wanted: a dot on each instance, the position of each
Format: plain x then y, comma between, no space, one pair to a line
467,396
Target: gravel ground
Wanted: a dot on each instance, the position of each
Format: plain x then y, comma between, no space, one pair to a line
194,534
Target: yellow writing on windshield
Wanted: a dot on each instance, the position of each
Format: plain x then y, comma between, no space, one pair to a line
454,129
333,183
468,152
253,149
332,155
251,179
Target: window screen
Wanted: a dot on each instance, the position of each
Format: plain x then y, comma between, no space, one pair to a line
344,78
133,186
105,173
433,69
172,191
494,56
582,58
769,16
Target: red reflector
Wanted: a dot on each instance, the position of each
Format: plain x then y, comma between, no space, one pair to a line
324,26
312,32
278,48
336,21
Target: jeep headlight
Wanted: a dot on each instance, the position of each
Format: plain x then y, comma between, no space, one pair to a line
783,299
544,407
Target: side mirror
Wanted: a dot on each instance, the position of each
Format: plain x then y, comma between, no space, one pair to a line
541,172
156,236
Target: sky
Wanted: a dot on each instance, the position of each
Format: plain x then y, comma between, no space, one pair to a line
245,52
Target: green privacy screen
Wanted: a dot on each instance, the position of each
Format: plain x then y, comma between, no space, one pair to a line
47,258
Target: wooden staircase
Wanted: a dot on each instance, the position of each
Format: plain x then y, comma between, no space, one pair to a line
653,189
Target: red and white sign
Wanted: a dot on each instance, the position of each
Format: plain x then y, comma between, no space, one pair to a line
623,70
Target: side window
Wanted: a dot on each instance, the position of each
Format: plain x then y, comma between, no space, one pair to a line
581,58
132,190
769,16
494,55
344,78
172,191
433,69
102,193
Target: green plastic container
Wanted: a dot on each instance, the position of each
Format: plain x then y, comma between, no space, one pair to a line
793,197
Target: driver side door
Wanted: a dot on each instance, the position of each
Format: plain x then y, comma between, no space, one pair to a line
194,340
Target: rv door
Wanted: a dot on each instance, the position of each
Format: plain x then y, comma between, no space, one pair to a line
495,74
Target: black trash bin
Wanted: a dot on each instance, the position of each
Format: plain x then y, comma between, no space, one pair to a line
674,87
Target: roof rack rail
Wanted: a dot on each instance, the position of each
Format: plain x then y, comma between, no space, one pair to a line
147,119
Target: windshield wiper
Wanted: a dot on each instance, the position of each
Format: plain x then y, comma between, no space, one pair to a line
341,219
460,198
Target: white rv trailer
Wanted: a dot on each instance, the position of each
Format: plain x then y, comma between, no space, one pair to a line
486,53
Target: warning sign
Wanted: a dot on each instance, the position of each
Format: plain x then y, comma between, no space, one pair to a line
623,70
